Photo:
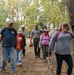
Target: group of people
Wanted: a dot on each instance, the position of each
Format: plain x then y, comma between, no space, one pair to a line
60,41
12,40
40,40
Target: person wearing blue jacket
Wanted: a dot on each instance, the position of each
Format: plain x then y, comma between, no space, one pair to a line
61,42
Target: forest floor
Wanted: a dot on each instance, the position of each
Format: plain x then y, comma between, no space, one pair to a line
34,66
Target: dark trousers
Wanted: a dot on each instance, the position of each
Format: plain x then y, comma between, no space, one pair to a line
36,47
24,51
67,59
24,44
45,51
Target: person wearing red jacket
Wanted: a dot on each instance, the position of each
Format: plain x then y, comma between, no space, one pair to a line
19,48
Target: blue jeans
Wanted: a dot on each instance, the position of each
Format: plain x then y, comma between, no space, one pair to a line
6,52
67,59
19,57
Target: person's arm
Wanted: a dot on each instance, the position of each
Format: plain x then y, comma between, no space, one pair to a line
72,32
52,42
15,39
41,37
0,38
31,37
1,35
24,34
40,42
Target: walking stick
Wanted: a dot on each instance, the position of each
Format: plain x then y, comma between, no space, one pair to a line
49,60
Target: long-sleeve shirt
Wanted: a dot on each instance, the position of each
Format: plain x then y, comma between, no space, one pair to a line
61,44
44,39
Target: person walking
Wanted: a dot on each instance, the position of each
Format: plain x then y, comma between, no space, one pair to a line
24,33
35,35
63,47
44,43
19,48
8,37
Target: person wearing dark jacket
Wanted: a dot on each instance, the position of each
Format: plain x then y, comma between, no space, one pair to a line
24,39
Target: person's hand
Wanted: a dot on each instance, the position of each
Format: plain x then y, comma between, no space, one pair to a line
31,45
30,41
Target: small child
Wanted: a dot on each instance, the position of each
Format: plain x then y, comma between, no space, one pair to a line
19,48
44,43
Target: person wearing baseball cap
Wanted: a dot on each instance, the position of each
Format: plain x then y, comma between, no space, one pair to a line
10,23
8,37
62,44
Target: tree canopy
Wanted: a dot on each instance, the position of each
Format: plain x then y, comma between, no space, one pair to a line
31,12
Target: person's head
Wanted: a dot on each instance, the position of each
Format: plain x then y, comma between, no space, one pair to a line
36,27
46,31
64,27
23,27
10,24
19,31
56,28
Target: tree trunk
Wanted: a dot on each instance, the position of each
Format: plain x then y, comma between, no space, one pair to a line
70,9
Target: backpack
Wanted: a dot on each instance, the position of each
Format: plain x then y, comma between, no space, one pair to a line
58,33
6,28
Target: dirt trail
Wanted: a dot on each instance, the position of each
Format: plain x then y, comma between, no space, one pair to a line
33,66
